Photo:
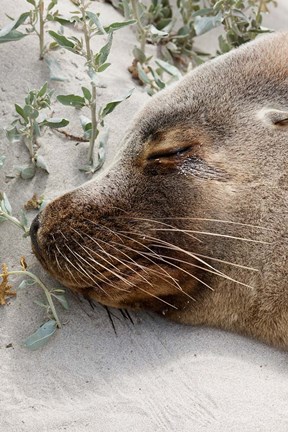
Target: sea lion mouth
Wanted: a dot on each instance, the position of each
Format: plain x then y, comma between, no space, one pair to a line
118,262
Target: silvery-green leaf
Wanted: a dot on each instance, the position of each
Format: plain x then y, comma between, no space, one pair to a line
72,100
86,93
26,172
30,112
5,204
40,163
55,70
63,41
157,79
118,25
95,19
14,24
172,47
126,9
55,123
51,4
62,300
155,32
94,77
43,90
103,138
36,129
12,36
2,160
86,125
62,19
223,44
110,106
204,24
142,74
86,168
13,134
101,57
41,336
139,55
23,219
170,69
21,112
103,67
26,283
203,12
41,304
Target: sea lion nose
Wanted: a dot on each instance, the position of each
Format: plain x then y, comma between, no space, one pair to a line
35,225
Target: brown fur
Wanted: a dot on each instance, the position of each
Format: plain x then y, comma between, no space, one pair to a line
191,220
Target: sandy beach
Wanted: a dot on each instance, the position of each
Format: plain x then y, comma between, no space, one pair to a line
154,375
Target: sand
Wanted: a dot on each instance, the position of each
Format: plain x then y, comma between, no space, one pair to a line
152,376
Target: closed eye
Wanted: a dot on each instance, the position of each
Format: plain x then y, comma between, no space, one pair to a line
176,152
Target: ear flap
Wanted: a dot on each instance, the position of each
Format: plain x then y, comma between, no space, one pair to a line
274,117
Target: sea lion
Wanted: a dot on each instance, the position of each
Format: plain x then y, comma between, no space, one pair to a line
191,219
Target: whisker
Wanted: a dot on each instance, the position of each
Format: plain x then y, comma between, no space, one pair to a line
114,257
168,225
78,255
211,234
135,271
227,262
110,319
220,274
81,271
174,248
194,219
153,262
171,246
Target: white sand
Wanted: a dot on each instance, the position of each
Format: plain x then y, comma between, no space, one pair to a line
153,376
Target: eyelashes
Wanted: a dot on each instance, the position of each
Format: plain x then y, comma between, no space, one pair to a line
170,154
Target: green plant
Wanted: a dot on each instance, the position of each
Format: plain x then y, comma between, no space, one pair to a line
96,63
241,21
174,41
34,22
46,330
31,119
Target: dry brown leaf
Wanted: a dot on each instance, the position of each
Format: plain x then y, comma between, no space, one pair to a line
5,287
23,263
33,203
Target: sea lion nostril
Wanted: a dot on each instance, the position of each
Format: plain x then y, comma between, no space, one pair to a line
34,227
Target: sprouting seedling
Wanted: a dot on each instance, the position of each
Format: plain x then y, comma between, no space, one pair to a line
45,331
31,119
6,215
96,63
34,22
42,335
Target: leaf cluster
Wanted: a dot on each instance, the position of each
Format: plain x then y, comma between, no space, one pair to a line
31,119
157,24
6,215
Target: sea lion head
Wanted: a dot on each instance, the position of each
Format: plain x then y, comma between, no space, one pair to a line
139,235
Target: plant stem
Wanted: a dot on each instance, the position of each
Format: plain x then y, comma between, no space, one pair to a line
41,284
14,220
92,105
41,28
141,28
